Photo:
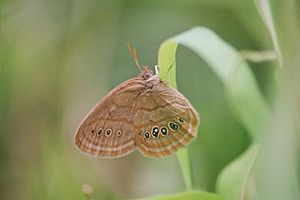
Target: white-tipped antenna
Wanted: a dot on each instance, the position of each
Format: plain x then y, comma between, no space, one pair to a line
133,54
156,69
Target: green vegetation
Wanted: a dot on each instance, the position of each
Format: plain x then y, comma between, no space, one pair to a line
236,61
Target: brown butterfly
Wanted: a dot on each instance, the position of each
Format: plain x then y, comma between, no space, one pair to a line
142,113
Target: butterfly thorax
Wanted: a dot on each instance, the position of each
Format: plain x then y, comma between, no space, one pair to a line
149,78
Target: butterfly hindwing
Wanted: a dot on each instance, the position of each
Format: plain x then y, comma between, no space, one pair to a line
164,120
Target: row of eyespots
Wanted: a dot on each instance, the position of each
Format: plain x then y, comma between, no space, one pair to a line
108,132
174,126
155,132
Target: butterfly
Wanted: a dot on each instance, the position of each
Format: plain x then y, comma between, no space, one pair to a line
142,113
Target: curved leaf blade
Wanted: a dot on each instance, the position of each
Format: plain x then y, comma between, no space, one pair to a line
264,9
239,82
232,182
192,195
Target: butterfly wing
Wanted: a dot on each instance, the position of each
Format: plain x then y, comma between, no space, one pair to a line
107,131
164,121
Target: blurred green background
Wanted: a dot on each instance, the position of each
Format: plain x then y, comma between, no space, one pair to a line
59,57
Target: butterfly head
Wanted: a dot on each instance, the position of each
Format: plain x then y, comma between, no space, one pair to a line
146,73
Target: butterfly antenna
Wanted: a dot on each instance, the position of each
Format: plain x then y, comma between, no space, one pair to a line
134,56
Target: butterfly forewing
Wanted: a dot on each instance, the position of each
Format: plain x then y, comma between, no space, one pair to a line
107,131
164,120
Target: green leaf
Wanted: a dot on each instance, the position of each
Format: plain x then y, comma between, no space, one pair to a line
263,7
192,195
183,158
244,96
233,181
240,85
167,72
167,62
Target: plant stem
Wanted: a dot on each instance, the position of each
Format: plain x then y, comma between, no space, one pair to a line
183,159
